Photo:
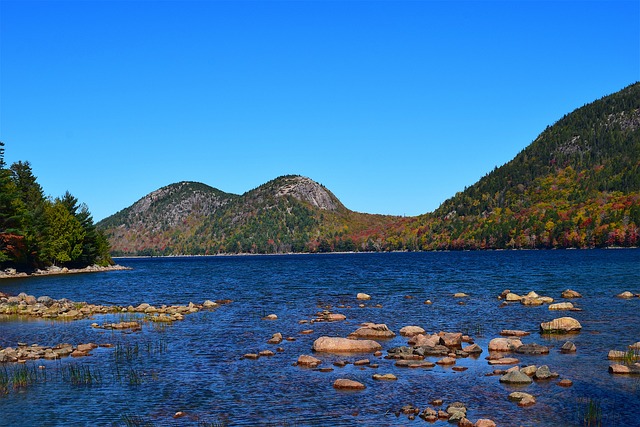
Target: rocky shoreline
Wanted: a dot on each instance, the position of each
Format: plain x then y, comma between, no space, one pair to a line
12,273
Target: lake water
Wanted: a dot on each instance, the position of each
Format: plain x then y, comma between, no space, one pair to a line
196,365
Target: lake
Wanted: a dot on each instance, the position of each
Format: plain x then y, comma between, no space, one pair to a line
196,365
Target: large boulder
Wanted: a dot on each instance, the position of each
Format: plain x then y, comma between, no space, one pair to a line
562,325
345,345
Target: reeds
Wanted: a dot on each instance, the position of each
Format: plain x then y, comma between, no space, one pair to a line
589,413
80,374
19,376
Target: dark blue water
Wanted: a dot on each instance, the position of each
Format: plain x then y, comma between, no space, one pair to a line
196,365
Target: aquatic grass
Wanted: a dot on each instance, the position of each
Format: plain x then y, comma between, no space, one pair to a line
126,352
631,356
23,376
81,374
4,382
589,412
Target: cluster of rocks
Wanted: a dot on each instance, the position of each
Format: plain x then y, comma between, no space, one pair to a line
65,309
454,413
533,299
629,357
11,273
24,352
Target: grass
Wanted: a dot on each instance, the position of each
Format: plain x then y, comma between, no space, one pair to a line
4,382
589,413
80,374
631,356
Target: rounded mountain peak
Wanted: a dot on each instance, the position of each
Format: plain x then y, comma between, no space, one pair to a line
309,191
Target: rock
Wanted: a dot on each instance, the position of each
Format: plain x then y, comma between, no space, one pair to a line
266,353
345,345
451,339
209,304
334,317
251,356
373,331
275,339
515,377
409,331
616,355
464,422
532,349
544,373
78,353
504,344
565,383
635,346
86,347
511,297
531,301
422,340
504,361
523,399
362,362
428,302
472,349
270,317
446,361
561,306
514,333
363,296
460,295
570,294
562,325
568,347
414,364
484,422
346,384
308,361
625,295
384,377
625,370
529,370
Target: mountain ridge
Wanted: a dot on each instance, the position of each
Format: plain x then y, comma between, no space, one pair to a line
576,185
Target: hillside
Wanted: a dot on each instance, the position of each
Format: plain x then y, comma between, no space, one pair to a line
288,214
576,185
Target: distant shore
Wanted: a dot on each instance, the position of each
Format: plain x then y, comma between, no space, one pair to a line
11,273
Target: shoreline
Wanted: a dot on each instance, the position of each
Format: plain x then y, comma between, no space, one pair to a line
55,271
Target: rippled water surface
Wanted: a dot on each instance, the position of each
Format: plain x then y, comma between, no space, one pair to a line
196,365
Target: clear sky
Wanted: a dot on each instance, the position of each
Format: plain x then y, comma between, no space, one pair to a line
394,106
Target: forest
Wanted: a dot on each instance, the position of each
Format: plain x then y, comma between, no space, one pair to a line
38,232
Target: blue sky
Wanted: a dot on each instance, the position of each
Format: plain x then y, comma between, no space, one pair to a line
394,106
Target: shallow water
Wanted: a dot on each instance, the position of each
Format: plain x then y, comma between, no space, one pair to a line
195,365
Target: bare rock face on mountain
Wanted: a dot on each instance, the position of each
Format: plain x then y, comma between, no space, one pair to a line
307,190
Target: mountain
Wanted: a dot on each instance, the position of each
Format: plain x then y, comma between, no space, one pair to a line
288,214
577,185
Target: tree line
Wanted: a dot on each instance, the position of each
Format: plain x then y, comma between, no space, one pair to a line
38,231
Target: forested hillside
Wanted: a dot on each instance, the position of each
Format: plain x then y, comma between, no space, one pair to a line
288,214
37,232
577,185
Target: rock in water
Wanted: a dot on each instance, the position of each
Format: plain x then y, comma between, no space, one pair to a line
345,345
562,325
515,377
345,384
